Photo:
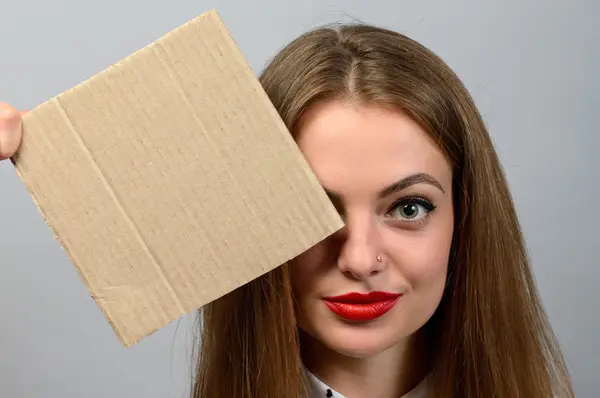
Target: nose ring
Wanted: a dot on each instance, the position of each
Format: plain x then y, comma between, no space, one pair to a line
379,259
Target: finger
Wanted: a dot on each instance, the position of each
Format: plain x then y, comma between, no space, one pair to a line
10,130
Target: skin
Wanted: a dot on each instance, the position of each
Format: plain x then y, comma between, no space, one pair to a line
356,151
10,130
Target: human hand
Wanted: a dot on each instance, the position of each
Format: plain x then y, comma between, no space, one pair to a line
10,130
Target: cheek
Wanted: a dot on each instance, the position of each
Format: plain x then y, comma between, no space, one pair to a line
429,260
308,271
308,268
422,258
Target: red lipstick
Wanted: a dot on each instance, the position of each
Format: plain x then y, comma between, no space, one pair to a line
362,307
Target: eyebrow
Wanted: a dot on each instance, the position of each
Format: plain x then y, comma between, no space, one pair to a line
400,185
419,178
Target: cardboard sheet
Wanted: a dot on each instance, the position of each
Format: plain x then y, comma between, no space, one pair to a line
170,179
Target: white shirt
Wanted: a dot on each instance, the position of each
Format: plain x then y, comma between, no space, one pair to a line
322,390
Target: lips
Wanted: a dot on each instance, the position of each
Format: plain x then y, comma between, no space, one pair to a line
361,307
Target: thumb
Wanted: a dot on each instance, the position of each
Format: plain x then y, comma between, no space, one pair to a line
10,130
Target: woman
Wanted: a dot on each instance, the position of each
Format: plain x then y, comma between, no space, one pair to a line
427,291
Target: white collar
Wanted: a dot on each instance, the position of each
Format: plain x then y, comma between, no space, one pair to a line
322,390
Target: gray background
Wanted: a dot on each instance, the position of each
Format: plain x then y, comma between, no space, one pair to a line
531,65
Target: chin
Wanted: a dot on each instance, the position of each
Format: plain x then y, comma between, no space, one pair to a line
359,349
357,340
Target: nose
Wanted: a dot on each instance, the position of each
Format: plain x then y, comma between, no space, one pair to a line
360,253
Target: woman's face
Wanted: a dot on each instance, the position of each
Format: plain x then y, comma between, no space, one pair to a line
392,186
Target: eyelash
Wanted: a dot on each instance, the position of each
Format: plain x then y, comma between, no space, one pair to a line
422,202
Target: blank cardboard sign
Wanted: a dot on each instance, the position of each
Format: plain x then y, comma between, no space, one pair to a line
170,179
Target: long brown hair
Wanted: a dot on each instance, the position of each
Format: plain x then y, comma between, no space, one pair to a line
490,335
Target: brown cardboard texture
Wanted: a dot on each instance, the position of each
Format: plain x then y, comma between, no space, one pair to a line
170,179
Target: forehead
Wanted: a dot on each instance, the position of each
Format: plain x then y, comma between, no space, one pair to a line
361,148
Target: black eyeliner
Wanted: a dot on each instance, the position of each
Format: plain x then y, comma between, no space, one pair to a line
413,199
